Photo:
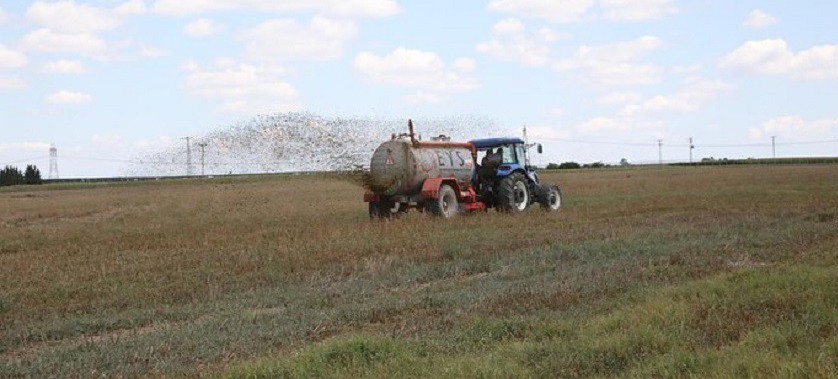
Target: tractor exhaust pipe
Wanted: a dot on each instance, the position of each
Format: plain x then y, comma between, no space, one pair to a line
410,128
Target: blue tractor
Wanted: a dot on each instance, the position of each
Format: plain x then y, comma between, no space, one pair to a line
507,181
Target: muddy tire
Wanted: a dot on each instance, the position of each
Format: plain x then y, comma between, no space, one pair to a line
445,205
550,198
512,194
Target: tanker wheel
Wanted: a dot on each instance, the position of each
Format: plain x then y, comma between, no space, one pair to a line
512,194
445,205
551,198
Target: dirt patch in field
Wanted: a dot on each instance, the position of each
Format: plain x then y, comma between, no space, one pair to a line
746,262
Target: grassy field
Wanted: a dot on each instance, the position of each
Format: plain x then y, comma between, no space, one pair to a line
675,272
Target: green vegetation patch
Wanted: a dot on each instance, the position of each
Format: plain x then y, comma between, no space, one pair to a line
753,323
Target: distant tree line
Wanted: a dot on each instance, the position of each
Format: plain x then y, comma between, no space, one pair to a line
574,165
761,161
12,176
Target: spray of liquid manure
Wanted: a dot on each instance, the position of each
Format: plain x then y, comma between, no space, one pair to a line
296,142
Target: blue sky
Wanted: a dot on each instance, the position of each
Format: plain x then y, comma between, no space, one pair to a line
109,78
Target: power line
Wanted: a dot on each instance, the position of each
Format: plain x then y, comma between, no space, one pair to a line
653,144
26,160
806,142
596,142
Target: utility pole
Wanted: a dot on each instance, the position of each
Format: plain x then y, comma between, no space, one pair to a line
527,145
660,152
202,145
691,149
774,146
188,156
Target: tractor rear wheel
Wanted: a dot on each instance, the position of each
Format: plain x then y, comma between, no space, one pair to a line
550,198
445,205
512,194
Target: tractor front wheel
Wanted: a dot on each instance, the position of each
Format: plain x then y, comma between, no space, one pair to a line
512,194
551,198
445,205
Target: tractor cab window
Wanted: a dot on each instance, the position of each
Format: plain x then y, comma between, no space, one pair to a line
509,154
519,151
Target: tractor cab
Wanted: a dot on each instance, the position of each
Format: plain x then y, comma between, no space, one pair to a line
513,154
505,178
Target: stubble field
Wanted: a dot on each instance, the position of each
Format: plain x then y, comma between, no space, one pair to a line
676,272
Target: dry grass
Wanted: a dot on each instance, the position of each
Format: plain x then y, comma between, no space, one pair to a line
235,269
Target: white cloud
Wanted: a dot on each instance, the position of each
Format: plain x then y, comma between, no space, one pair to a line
614,64
131,8
69,27
637,10
154,144
421,70
150,52
687,70
242,88
7,83
619,125
795,128
550,10
64,66
423,97
47,41
464,64
11,59
563,11
773,57
541,131
203,28
107,141
68,17
24,147
620,98
759,19
65,97
282,39
341,8
511,42
556,112
691,97
128,50
508,26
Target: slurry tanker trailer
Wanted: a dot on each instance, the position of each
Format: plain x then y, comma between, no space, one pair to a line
444,178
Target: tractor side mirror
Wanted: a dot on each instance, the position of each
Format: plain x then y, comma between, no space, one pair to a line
540,149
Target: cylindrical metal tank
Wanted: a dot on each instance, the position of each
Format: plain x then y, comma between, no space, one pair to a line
399,166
